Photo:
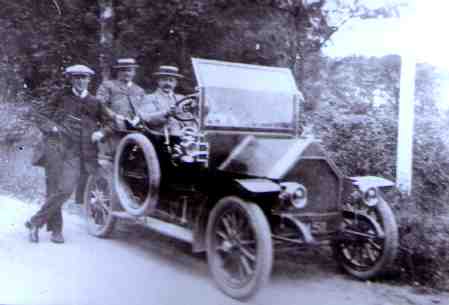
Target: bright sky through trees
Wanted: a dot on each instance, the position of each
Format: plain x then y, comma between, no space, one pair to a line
382,36
421,29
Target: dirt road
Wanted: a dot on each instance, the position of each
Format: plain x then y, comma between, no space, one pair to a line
144,268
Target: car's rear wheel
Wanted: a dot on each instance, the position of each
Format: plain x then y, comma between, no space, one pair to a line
98,205
239,247
137,175
370,241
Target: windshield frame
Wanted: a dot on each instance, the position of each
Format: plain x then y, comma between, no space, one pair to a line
290,88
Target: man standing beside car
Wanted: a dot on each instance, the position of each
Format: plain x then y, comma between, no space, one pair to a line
67,124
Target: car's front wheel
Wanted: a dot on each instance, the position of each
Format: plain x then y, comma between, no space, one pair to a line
239,247
369,240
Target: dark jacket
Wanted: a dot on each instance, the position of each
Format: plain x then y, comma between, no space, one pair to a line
76,120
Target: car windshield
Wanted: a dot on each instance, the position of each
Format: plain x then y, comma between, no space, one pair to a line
247,97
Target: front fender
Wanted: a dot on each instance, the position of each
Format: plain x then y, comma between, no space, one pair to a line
363,183
258,185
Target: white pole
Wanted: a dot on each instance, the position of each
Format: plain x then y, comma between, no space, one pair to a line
404,161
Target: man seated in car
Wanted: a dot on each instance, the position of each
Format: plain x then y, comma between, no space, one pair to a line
159,108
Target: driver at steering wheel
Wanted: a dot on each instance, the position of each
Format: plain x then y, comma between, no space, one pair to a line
158,108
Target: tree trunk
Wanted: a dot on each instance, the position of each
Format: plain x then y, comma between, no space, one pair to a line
106,36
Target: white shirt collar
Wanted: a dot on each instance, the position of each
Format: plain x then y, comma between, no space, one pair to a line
170,94
127,84
81,95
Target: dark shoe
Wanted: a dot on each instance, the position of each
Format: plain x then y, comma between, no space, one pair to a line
34,232
57,238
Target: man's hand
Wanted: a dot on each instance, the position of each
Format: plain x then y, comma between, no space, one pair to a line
171,111
97,136
119,119
55,130
134,121
191,106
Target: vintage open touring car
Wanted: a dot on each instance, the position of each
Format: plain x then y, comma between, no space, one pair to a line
240,182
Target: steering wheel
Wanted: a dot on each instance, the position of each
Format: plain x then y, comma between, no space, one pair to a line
188,112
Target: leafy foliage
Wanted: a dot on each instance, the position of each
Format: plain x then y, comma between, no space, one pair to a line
262,32
40,42
360,135
47,35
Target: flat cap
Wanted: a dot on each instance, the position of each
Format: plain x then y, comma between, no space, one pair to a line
79,70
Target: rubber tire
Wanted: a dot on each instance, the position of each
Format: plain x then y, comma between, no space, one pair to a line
154,174
106,230
264,247
391,246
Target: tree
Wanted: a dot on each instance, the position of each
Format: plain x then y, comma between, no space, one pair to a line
286,33
40,46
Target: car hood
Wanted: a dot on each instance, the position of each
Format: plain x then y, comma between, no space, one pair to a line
257,156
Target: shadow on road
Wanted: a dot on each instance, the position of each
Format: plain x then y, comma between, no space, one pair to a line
305,265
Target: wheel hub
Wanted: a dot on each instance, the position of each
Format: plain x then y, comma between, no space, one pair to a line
227,246
231,245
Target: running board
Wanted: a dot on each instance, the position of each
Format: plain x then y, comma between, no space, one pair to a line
159,226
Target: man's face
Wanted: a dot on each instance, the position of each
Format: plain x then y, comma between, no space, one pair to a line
167,83
126,74
80,82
